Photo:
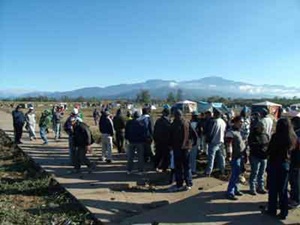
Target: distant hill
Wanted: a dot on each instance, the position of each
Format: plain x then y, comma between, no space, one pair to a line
193,89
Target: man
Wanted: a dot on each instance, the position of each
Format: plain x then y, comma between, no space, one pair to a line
96,116
161,138
18,123
135,133
82,139
45,122
68,128
182,137
119,126
58,116
30,123
236,147
107,132
145,118
216,145
267,121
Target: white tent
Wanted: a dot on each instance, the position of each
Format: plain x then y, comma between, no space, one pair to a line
186,106
267,103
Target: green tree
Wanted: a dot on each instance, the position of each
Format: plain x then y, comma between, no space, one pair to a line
179,95
171,98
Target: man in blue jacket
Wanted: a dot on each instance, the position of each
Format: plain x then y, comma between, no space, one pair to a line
136,134
18,123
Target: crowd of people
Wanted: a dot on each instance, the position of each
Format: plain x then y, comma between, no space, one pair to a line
270,148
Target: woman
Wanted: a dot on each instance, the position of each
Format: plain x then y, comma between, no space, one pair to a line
31,122
282,142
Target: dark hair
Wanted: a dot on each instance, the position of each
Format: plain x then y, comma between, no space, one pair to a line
237,119
296,122
285,133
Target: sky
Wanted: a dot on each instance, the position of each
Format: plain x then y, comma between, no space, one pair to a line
62,45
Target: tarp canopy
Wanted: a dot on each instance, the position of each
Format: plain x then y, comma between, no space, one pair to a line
208,106
186,106
274,108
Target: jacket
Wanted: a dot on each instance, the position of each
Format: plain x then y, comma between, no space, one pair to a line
135,131
82,135
106,125
18,118
258,143
161,133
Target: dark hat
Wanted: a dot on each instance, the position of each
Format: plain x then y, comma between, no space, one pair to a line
177,113
166,112
136,114
216,111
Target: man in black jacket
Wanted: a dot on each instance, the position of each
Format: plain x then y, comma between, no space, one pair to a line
82,139
18,123
161,138
119,126
107,132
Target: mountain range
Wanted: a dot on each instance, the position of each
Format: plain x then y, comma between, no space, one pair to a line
193,89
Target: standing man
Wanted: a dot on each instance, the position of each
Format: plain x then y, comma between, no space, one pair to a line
30,123
119,126
82,139
182,138
236,145
161,137
58,116
96,116
18,123
45,122
107,132
135,133
148,154
68,128
216,145
267,121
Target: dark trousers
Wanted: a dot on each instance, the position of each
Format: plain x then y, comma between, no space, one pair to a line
182,167
148,154
120,141
80,157
278,176
295,184
162,156
18,129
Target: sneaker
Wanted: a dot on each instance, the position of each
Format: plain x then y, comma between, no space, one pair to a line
45,143
232,197
129,172
261,191
108,160
281,216
188,188
252,192
238,193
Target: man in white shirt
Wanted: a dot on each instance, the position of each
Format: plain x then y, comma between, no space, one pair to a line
267,121
216,144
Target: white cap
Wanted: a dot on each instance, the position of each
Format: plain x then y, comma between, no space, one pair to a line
30,107
75,111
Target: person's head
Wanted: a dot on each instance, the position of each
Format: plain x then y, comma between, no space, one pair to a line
18,107
166,112
136,115
30,108
178,114
296,122
119,112
145,110
237,122
208,114
74,120
128,114
264,112
74,112
217,113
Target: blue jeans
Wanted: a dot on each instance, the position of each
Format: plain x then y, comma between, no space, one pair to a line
258,168
57,130
278,176
193,158
234,178
139,148
43,134
215,150
182,167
